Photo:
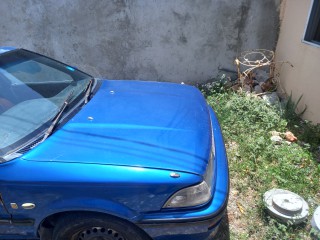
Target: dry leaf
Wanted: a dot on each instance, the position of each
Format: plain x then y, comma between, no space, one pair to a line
240,207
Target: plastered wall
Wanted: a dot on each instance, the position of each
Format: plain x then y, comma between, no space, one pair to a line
304,77
164,40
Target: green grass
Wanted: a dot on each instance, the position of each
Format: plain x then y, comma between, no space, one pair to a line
257,164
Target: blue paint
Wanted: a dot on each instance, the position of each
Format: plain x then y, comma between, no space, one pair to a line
115,157
141,124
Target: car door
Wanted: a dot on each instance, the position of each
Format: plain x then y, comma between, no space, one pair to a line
5,218
4,215
12,226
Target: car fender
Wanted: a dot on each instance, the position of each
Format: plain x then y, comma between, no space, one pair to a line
87,205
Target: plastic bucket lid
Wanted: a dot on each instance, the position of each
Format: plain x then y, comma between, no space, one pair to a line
286,206
315,221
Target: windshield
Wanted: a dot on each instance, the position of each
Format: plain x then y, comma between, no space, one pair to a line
32,90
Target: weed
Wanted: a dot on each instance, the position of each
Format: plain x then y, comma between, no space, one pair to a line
291,112
257,164
308,133
215,85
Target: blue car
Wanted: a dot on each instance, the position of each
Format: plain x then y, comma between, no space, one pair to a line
83,158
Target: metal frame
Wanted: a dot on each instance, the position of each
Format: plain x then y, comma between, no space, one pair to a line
312,24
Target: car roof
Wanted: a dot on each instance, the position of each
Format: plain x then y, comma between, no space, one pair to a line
6,49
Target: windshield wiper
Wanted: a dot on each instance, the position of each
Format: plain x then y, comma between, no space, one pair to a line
88,91
57,117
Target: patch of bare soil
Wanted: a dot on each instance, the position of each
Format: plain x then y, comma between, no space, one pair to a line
242,211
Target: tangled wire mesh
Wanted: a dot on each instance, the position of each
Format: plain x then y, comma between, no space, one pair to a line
248,61
253,59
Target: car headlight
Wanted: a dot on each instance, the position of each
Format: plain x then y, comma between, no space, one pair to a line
194,195
189,197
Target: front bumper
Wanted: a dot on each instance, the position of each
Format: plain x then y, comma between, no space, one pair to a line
203,219
182,228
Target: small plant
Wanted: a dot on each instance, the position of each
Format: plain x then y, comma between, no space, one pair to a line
291,112
314,234
219,84
257,164
306,132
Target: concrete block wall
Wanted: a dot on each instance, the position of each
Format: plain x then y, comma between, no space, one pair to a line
162,40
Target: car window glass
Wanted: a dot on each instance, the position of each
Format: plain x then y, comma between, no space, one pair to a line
32,90
35,72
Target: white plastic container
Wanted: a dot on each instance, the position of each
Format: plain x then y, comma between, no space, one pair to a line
286,206
315,221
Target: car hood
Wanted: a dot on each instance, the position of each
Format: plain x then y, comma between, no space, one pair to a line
138,124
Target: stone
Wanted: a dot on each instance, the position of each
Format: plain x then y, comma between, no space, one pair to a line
255,82
246,88
261,75
275,133
271,98
276,139
257,89
288,142
290,137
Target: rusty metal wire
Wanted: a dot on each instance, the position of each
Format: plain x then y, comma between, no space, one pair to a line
254,59
248,61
